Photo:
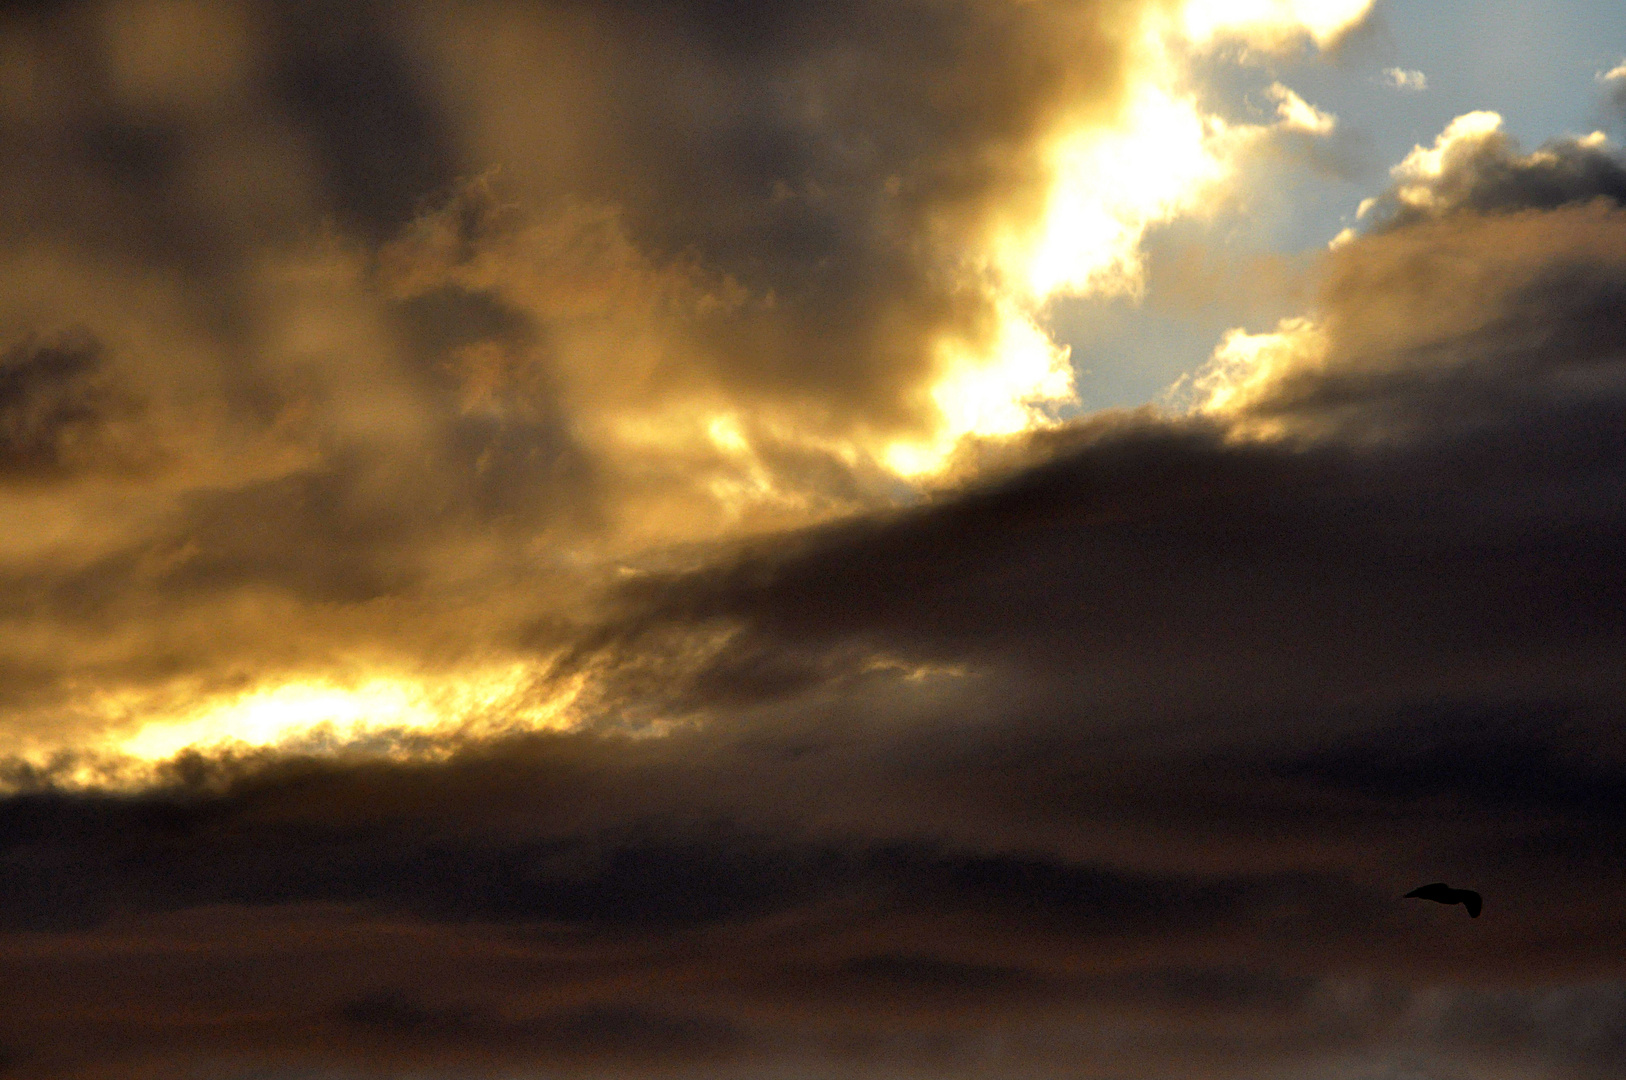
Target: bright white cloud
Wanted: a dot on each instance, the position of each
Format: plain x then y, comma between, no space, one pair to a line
1415,175
1296,114
1271,23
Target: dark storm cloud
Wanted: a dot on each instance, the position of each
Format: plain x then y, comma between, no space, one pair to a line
737,897
1165,565
383,147
628,841
62,411
1223,703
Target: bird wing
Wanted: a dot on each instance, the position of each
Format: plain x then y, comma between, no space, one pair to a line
1472,901
1437,892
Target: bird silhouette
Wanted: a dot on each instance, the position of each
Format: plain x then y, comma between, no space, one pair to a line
1441,893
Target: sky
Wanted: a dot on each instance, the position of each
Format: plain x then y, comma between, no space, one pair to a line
881,539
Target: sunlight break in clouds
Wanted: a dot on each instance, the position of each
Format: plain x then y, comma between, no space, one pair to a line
338,714
1246,367
977,398
392,715
1473,176
1108,186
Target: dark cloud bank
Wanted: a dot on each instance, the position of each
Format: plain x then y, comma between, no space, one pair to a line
1115,766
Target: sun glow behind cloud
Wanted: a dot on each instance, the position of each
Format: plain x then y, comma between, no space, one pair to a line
1104,184
395,715
1005,390
1108,185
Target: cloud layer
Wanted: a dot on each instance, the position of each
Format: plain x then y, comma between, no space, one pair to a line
404,328
1109,752
1119,763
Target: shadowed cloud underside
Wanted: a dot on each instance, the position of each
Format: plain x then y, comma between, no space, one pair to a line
555,538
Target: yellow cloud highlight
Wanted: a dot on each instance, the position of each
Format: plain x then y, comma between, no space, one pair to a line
279,714
376,713
1415,174
1246,367
1000,390
1295,114
1107,186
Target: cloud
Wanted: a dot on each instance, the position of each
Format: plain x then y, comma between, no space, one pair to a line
1303,135
1275,23
1615,80
1512,252
62,412
1405,80
729,899
1474,166
609,700
1296,114
1158,726
436,319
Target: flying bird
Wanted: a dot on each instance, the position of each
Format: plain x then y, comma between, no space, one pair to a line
1441,893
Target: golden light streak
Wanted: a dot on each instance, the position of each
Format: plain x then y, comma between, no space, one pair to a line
393,715
280,714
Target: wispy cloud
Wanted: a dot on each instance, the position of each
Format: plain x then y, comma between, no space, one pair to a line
1404,79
